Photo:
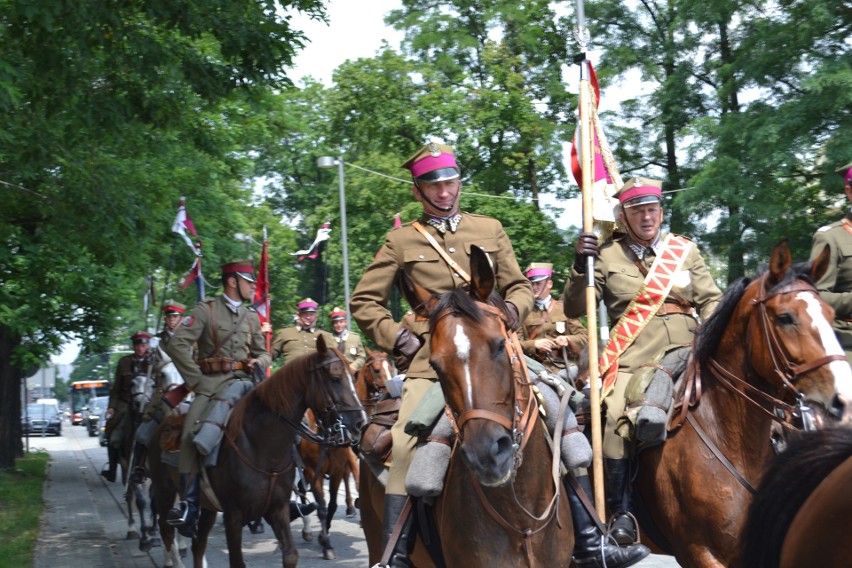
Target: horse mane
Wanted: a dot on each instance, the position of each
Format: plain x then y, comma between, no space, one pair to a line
789,481
710,332
460,302
276,392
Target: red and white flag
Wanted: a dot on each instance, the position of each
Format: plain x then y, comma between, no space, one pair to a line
261,293
183,224
313,251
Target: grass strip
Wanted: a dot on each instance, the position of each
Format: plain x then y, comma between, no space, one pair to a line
21,504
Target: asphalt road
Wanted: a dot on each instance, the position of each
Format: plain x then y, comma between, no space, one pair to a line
85,523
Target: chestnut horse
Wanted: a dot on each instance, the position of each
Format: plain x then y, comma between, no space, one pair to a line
769,348
800,515
502,504
254,475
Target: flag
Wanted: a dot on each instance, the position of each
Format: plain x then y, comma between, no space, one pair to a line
150,299
196,276
397,221
605,179
183,224
313,251
261,293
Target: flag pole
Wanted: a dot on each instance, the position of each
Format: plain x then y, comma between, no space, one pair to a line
587,163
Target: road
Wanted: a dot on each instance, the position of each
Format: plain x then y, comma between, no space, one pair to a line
84,522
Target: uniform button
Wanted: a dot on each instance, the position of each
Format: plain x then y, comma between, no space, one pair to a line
452,249
421,257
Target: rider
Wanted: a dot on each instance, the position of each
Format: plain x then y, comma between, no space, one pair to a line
156,409
300,339
437,186
348,342
120,398
623,264
548,335
835,287
230,347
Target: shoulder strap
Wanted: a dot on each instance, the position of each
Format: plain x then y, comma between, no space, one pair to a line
447,258
672,294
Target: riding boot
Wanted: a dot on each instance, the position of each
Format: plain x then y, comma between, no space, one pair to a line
591,548
405,543
298,510
622,523
184,515
138,473
108,471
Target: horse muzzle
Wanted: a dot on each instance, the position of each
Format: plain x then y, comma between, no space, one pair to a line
488,450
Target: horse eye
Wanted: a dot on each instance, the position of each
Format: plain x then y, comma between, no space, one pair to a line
500,346
784,318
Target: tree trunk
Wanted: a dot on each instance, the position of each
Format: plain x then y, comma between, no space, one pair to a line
10,401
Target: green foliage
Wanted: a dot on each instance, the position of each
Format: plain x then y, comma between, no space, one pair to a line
21,504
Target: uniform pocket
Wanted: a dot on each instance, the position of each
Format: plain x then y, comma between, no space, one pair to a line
624,279
488,245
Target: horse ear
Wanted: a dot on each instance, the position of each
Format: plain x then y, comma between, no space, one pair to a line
819,266
321,346
779,262
369,352
419,298
481,274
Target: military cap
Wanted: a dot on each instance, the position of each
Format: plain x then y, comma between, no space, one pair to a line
307,305
171,308
846,173
433,162
337,314
140,337
242,268
640,191
538,271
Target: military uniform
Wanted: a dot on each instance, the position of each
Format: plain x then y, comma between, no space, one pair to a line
835,287
349,343
295,341
120,396
197,328
547,320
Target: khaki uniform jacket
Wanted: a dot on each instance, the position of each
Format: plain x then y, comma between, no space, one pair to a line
835,287
196,329
352,349
551,324
120,395
295,341
406,249
618,279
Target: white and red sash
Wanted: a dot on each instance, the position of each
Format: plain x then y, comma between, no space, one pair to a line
644,305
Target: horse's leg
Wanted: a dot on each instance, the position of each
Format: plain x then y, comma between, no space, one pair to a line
130,501
199,544
279,519
325,540
353,469
146,541
370,499
234,522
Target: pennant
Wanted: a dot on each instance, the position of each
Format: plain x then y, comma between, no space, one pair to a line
397,221
150,299
261,293
313,251
183,224
194,274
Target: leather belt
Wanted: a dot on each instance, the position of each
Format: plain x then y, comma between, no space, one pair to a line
668,309
216,365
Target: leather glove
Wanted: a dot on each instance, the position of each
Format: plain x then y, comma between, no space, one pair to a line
407,344
512,318
586,246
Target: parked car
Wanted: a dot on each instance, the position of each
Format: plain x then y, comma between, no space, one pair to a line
93,411
41,419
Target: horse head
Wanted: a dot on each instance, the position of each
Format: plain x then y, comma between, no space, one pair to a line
140,393
786,331
370,379
478,367
331,395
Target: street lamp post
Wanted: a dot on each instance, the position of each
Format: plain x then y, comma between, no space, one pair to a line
327,162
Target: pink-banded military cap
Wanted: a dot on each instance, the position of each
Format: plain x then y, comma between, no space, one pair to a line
640,191
307,305
538,271
433,162
846,172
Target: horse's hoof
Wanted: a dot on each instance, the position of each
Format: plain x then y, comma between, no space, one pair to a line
144,545
183,552
131,535
328,554
156,542
307,537
350,511
357,502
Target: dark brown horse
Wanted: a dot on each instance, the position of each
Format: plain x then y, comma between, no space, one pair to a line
769,348
502,504
254,475
336,463
800,515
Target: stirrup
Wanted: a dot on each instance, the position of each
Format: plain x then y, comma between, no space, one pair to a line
634,538
177,515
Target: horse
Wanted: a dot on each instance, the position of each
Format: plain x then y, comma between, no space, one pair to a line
800,515
335,462
502,503
137,495
254,474
768,349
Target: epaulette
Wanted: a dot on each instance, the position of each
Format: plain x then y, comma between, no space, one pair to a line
830,226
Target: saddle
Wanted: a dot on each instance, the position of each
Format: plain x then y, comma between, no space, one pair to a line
376,440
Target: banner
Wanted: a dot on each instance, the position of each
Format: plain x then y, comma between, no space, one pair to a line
183,224
261,293
313,251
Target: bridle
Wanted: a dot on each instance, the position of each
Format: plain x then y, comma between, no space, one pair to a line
331,429
375,390
521,425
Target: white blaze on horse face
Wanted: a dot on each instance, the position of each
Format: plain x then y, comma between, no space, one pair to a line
840,369
386,370
462,342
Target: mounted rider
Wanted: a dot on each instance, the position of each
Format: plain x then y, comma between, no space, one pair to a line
163,376
225,335
120,399
348,342
301,338
626,267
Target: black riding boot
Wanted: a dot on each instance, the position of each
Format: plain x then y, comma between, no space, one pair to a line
138,473
622,524
108,472
405,542
590,546
184,515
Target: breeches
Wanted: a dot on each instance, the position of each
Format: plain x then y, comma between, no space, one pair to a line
403,444
120,424
614,446
197,411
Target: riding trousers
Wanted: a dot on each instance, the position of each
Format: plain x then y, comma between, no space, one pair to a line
614,446
403,445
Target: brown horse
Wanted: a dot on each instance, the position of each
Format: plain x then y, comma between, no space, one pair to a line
502,504
336,463
769,348
800,515
254,475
